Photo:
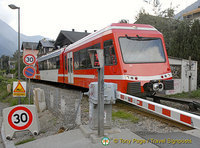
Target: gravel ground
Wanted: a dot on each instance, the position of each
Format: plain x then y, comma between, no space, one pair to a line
144,125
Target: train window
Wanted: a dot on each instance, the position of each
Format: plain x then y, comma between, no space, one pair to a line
53,63
66,62
109,53
57,62
142,50
96,46
83,61
45,65
50,64
40,64
76,60
82,58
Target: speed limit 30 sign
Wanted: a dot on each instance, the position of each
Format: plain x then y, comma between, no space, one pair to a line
20,118
29,59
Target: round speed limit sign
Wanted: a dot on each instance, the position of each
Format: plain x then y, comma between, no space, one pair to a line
29,59
20,118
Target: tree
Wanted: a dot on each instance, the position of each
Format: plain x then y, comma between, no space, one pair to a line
5,63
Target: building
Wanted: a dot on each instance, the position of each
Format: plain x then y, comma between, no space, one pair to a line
66,38
45,46
29,48
182,75
191,12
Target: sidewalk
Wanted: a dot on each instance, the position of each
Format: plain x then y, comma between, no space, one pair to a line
75,138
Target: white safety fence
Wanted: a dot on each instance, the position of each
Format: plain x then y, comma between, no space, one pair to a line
165,111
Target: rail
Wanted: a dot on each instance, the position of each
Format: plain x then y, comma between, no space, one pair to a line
193,105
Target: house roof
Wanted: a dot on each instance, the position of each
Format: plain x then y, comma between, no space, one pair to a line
187,9
29,45
47,43
69,37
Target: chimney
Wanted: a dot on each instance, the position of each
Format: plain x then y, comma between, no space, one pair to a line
85,31
73,30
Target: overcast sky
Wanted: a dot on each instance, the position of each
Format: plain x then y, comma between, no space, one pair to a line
48,17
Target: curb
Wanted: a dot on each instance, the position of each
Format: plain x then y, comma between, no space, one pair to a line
7,143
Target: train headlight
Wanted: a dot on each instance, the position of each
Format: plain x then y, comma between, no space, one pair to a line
155,86
161,86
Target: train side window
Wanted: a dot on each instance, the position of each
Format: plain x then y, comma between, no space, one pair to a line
66,62
96,46
45,65
50,64
57,62
40,65
83,61
109,53
54,63
76,60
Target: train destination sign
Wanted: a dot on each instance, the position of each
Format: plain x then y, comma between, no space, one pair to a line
29,59
19,89
29,71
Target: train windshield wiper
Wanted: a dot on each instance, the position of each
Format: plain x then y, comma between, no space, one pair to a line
139,38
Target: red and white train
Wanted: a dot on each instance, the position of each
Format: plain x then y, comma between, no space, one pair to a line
135,58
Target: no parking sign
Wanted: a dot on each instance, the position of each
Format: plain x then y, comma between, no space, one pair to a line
19,118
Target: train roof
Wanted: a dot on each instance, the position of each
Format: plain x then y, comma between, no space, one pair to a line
120,26
123,26
50,55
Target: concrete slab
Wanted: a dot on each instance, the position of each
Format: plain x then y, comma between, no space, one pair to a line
75,138
178,140
6,143
194,132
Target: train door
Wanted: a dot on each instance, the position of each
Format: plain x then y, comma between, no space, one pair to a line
70,67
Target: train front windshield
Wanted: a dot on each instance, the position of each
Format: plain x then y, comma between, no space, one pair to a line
142,50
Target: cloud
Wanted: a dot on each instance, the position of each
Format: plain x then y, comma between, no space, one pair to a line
6,14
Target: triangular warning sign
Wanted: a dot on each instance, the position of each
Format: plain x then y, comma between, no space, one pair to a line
19,88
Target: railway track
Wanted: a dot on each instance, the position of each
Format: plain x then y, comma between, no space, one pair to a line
134,109
193,106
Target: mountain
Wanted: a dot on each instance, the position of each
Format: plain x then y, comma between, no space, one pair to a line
9,39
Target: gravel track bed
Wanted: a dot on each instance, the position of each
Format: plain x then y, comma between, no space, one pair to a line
145,125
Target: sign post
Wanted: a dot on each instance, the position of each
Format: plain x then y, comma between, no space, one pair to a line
29,71
97,61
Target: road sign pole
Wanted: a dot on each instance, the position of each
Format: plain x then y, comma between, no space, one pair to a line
29,93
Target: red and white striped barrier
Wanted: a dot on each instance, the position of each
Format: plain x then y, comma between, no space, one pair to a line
168,112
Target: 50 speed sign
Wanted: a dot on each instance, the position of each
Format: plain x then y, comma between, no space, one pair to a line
29,59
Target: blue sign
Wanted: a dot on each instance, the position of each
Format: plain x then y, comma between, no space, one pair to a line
29,72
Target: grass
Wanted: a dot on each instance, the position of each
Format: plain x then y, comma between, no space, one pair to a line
25,141
193,94
6,97
124,115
